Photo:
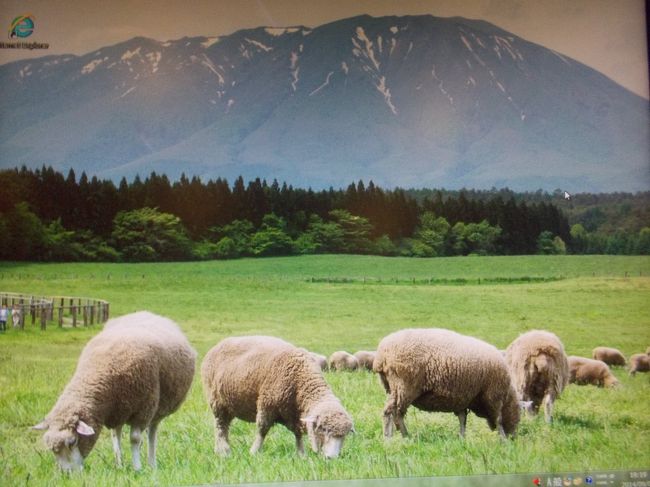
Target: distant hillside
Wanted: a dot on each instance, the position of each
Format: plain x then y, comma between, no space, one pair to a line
605,213
404,101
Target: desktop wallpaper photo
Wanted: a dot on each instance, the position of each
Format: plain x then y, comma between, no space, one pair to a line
328,174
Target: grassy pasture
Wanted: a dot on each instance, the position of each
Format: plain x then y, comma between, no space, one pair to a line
587,301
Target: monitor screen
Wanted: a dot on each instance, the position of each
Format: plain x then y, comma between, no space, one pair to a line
324,243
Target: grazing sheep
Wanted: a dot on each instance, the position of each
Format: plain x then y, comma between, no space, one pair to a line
343,361
440,370
136,371
267,380
639,362
365,359
611,356
539,368
589,371
321,360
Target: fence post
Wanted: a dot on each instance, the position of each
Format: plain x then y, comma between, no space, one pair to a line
61,316
43,316
92,314
22,314
85,315
73,310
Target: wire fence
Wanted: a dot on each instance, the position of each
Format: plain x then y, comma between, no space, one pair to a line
62,310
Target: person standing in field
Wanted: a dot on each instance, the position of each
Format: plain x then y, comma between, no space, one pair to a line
16,315
4,313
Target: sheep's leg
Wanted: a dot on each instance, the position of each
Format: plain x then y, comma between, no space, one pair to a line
548,408
300,448
462,419
395,410
389,411
500,428
399,422
221,428
263,427
151,445
116,436
136,442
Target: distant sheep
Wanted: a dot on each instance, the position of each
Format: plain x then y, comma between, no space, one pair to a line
321,360
440,370
611,356
136,371
365,359
266,380
639,362
589,371
343,361
539,368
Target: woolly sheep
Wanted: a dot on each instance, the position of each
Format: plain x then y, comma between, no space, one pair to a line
539,369
136,371
266,380
611,356
440,370
343,361
365,359
639,362
589,371
321,360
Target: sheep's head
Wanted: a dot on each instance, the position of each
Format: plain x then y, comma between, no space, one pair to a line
327,430
69,443
611,381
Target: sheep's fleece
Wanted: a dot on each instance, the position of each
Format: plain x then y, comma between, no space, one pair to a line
539,368
267,380
136,371
441,370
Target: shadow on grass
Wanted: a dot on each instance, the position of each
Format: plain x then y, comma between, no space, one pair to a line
576,421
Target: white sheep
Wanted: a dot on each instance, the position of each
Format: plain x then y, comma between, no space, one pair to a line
365,359
440,370
639,362
266,380
539,369
589,371
343,361
137,371
611,356
321,360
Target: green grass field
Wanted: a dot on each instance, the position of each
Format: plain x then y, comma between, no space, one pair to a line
327,303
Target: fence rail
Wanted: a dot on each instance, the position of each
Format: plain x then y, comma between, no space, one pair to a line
59,309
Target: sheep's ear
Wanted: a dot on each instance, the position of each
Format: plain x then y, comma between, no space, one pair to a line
84,429
41,426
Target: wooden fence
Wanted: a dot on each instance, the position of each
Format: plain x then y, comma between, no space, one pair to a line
60,309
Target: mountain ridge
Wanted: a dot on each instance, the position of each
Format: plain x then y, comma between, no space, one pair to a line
400,100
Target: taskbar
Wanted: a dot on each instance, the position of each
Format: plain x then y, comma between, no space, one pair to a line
603,478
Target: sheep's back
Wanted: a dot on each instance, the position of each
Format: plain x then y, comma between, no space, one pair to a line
443,361
238,368
611,356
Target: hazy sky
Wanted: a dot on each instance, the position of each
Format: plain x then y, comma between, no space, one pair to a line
608,35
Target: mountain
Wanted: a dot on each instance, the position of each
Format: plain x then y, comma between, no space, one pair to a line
408,101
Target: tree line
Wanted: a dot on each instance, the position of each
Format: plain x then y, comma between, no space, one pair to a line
47,216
